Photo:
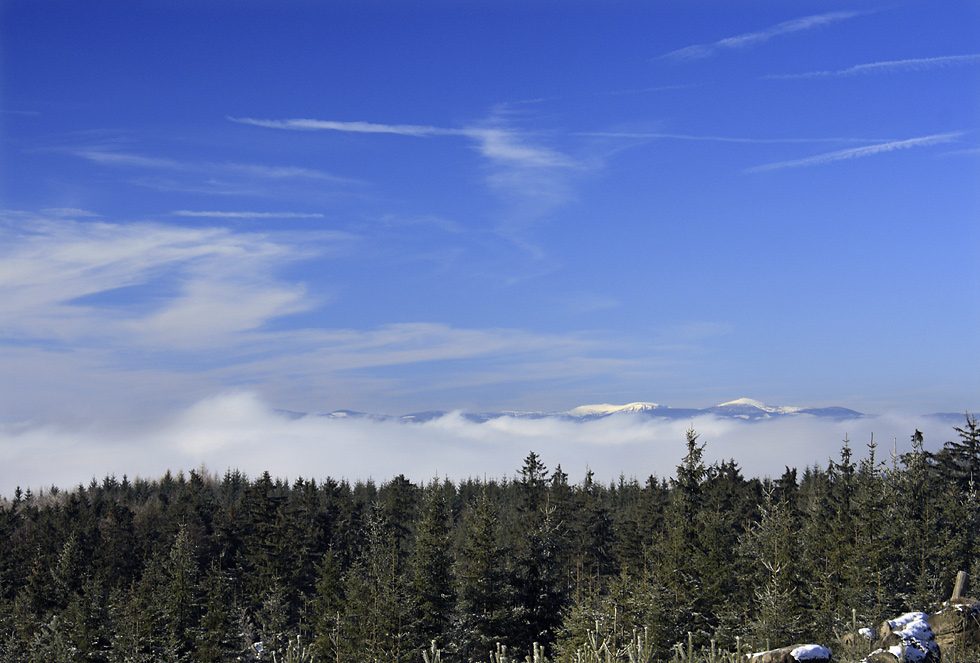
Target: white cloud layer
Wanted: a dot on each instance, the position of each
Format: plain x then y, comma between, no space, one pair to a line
238,430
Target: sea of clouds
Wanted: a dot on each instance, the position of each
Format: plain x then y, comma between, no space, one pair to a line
240,431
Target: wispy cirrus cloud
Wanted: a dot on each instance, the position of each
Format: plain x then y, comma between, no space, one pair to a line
72,212
700,51
67,281
859,152
246,215
912,64
300,124
645,135
530,177
494,142
123,159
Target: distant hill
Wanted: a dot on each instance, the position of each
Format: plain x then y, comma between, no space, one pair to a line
743,408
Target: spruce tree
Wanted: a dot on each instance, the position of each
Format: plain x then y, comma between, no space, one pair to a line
483,595
679,566
215,639
325,607
958,462
375,623
432,592
772,547
180,595
536,576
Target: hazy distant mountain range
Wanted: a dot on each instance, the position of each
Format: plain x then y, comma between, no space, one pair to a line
743,408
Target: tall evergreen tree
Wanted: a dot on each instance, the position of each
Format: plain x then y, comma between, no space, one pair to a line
375,623
536,576
679,564
958,461
215,637
325,608
180,595
484,594
772,546
432,592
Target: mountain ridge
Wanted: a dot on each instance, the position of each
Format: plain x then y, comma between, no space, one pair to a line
746,409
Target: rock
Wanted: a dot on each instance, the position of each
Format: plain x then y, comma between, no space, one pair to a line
898,623
860,641
793,654
957,623
881,656
906,639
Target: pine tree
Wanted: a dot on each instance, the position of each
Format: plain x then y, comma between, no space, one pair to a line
481,616
432,592
594,539
325,608
959,461
536,576
679,565
537,586
272,617
533,486
873,559
215,638
375,623
726,502
831,533
772,547
180,595
916,511
67,575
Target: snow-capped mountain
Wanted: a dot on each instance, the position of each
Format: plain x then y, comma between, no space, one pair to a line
746,408
743,408
604,410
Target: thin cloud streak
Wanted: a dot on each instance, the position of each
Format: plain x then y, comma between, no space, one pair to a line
353,127
246,215
531,179
915,64
721,139
858,152
700,51
108,158
495,143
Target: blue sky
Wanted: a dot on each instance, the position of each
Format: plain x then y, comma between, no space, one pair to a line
401,206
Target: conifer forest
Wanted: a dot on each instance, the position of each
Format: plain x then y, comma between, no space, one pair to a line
200,566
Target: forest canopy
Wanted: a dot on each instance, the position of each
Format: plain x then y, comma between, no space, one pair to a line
208,567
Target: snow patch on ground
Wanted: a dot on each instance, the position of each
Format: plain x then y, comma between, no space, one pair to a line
810,652
907,618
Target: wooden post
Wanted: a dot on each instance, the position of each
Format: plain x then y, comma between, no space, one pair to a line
962,580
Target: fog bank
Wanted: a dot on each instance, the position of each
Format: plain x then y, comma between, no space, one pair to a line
239,431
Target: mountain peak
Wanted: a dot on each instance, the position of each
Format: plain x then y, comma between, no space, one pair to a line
746,401
607,409
748,405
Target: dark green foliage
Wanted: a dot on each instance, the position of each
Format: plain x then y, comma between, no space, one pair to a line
432,593
197,568
481,616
